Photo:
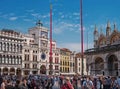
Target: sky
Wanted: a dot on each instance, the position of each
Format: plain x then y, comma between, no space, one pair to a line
20,15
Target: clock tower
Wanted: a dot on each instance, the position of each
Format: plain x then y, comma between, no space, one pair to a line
40,35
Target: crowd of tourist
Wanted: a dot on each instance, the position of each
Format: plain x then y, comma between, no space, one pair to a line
62,82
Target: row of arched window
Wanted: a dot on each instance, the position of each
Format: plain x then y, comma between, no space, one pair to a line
10,59
10,47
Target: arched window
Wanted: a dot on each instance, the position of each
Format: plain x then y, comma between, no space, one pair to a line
14,47
0,58
17,49
20,60
7,46
10,59
20,48
3,59
11,47
6,60
0,45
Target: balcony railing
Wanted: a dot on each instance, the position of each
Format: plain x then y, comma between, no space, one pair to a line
104,49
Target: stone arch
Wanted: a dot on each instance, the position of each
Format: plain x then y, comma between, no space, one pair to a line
115,36
12,71
0,70
18,71
102,40
99,65
5,71
43,69
112,64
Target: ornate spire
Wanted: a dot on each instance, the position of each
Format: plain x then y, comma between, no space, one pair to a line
95,30
115,27
108,24
101,31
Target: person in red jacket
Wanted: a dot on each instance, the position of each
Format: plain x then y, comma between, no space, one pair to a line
67,84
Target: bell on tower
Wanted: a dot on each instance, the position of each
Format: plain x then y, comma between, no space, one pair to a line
39,23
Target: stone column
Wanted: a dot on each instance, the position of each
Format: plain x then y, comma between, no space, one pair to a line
93,69
1,70
15,70
30,71
8,70
22,72
105,68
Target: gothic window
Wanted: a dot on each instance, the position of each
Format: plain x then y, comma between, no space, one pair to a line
3,59
17,49
0,59
7,46
14,47
25,57
20,60
16,60
3,46
20,48
6,60
0,45
10,60
56,67
13,60
11,47
79,69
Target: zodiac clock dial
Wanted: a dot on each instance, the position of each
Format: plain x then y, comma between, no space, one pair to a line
43,56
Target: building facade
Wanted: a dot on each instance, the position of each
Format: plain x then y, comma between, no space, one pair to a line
78,64
26,54
40,49
65,61
11,44
30,55
72,63
104,58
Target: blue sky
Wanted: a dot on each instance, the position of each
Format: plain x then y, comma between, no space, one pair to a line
21,15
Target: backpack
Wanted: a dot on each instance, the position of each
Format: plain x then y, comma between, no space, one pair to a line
85,84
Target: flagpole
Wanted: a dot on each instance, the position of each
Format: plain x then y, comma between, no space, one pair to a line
51,67
82,54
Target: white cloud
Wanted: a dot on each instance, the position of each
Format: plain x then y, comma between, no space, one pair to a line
60,27
76,14
13,18
45,16
75,46
35,14
27,20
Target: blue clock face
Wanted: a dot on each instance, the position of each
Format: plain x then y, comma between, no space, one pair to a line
43,56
